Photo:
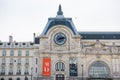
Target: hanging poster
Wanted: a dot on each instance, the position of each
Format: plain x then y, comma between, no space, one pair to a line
73,66
46,67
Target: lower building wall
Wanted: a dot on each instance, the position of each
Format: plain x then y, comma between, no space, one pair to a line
14,77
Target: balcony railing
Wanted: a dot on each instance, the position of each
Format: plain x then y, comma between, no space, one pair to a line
10,73
18,73
3,63
2,73
19,63
26,73
26,63
11,63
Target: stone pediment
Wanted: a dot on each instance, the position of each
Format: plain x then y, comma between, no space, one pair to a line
101,48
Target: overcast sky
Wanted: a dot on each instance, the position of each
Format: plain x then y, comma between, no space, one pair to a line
22,18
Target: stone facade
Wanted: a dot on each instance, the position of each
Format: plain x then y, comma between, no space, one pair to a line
16,60
62,53
96,57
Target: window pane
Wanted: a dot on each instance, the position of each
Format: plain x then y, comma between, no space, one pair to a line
11,53
4,53
11,60
19,53
27,53
99,70
60,66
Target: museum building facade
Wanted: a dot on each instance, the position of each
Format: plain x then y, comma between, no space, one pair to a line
63,53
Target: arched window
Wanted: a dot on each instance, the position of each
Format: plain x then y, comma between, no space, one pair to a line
19,53
18,70
3,71
11,53
26,70
3,61
4,53
99,70
18,78
10,79
59,77
2,79
36,60
27,53
60,66
27,61
19,61
11,71
11,61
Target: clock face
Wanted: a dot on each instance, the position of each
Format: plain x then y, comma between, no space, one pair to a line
60,38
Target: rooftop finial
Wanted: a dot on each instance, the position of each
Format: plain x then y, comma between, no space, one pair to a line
59,11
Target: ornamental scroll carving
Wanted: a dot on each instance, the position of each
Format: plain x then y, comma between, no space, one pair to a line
100,48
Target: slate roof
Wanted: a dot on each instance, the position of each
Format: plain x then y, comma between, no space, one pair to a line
100,35
59,20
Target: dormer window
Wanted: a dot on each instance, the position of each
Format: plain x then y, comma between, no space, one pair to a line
12,45
20,45
27,45
5,45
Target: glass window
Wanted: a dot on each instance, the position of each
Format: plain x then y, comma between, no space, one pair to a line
4,53
18,78
3,61
99,70
27,61
11,53
19,53
12,45
10,70
60,66
27,45
36,70
11,61
5,45
18,70
60,77
20,45
3,70
19,61
36,60
26,70
27,53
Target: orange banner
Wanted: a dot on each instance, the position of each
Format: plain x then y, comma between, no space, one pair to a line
46,67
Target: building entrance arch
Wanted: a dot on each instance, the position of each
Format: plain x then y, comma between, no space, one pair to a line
2,79
10,79
18,78
99,70
60,77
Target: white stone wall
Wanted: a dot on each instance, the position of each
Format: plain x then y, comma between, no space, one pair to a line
86,51
23,57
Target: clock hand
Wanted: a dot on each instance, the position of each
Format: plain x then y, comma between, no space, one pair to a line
60,39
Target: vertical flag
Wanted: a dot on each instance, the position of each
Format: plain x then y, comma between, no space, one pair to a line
46,67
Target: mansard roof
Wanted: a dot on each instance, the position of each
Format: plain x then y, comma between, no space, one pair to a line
100,35
60,20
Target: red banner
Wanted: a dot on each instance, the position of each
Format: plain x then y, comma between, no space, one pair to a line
46,67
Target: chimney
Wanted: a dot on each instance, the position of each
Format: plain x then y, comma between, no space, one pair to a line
34,37
10,39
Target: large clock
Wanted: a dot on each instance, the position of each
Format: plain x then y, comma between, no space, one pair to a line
60,38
